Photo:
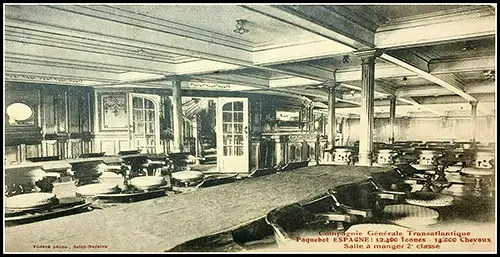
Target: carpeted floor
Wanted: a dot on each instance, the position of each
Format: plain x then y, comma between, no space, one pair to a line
159,224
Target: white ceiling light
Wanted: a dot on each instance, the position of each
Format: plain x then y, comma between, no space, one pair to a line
405,81
240,27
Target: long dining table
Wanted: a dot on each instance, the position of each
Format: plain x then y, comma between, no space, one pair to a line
159,224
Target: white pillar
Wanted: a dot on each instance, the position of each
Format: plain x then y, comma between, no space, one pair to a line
367,105
473,120
177,117
332,124
392,117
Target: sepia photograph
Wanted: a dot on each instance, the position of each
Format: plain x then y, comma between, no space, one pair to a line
249,128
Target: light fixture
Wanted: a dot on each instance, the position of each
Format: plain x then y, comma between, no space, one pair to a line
469,47
489,74
346,59
405,81
240,27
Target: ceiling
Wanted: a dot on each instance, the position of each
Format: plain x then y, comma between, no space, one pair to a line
436,58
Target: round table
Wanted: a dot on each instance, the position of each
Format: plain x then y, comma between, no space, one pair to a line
30,201
188,177
411,216
147,182
430,199
97,188
482,179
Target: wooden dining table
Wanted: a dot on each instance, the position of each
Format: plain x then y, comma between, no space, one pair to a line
159,224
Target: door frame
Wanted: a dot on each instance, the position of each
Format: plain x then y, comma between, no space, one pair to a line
219,127
156,99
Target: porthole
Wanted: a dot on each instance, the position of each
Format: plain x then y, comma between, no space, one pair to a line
19,113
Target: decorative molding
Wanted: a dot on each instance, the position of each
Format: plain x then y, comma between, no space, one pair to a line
115,105
23,78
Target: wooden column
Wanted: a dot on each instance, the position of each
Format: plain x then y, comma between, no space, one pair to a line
473,120
177,117
367,105
332,125
392,117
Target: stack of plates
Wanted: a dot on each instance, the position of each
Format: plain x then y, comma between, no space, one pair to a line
410,215
97,189
30,201
148,183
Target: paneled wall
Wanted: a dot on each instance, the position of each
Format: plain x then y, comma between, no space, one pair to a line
112,122
426,129
120,120
61,123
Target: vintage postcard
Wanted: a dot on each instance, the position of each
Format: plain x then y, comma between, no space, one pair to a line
250,128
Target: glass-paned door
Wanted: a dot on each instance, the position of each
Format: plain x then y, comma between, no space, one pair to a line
232,135
144,123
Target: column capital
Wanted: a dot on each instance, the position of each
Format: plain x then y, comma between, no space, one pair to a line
367,55
331,85
473,103
177,78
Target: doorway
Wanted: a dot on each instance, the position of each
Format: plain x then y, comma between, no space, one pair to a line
232,135
144,123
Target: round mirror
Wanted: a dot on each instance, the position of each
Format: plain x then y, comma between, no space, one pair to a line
19,112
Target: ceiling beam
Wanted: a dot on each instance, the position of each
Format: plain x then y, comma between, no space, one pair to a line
455,25
409,100
409,56
381,71
152,78
321,21
462,65
237,79
432,90
449,99
292,82
76,56
447,83
302,52
324,96
199,67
